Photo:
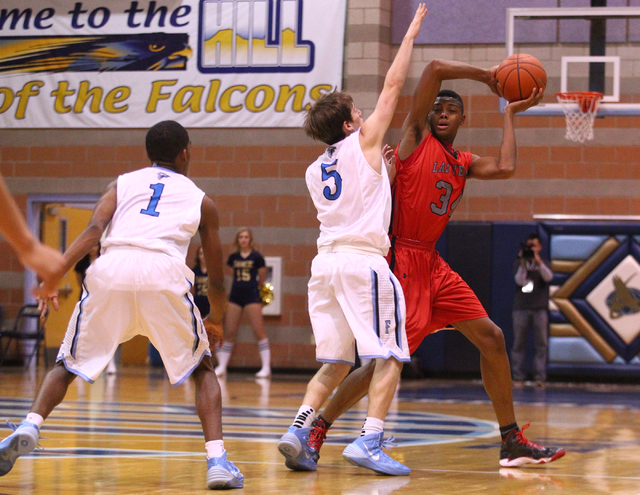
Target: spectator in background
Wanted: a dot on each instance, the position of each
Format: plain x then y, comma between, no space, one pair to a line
81,272
531,311
249,273
201,283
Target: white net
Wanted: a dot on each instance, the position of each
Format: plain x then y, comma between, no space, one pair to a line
580,110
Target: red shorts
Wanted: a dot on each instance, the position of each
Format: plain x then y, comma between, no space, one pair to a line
435,295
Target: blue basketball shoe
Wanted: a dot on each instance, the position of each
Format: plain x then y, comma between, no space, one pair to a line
294,446
22,441
223,474
367,452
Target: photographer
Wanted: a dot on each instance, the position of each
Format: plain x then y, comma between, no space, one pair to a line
530,310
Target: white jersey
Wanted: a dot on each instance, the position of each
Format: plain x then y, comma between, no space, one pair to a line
157,209
353,200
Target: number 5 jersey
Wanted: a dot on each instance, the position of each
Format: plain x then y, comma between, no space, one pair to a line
353,200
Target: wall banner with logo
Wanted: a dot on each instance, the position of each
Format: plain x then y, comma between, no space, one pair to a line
204,63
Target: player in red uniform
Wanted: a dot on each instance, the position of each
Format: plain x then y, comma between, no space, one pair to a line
429,182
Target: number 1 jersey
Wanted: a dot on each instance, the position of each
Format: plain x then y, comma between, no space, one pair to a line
428,187
157,209
352,199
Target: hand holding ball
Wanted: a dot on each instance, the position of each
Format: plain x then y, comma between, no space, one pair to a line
518,75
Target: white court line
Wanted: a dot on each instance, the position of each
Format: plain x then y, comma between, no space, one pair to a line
184,456
523,472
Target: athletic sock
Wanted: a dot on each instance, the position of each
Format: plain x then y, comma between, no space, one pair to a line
224,354
35,419
504,430
326,423
265,354
372,425
215,448
305,417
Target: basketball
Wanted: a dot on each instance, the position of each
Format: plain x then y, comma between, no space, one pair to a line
518,74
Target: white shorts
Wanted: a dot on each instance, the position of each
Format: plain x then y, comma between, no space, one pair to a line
129,292
356,298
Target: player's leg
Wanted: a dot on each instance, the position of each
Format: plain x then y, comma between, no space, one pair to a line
254,313
540,328
351,391
294,443
208,400
52,390
494,365
25,437
168,319
231,323
335,347
221,473
518,351
386,342
516,449
88,345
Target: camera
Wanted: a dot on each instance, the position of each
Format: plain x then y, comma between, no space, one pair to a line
527,252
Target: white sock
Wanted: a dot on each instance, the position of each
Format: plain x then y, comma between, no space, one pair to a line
224,354
372,425
215,448
35,419
305,417
265,353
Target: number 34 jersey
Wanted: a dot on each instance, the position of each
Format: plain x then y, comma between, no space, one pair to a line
352,199
157,209
428,187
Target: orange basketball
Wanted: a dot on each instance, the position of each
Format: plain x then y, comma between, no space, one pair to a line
518,74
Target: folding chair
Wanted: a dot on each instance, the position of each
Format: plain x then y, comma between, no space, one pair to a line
27,327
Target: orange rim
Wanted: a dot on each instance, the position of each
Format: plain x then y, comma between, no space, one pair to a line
580,95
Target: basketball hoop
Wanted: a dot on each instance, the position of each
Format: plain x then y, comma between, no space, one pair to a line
580,108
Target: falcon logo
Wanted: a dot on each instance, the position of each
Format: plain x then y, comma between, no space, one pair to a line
162,175
134,53
624,300
253,36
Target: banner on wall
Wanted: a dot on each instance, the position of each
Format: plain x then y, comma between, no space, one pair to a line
204,63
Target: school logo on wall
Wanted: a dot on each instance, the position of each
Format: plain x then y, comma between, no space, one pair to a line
253,36
601,299
617,302
204,63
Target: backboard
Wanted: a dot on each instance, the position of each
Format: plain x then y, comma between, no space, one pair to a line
582,49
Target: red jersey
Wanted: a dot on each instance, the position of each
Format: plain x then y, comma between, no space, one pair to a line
428,187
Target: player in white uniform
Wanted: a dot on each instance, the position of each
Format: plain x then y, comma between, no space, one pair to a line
353,296
141,286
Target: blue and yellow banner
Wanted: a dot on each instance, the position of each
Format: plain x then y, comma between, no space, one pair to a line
204,63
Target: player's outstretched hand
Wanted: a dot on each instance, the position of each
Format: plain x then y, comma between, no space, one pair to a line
532,101
414,27
214,333
46,293
390,161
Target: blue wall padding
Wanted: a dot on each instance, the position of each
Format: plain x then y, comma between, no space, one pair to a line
575,247
573,350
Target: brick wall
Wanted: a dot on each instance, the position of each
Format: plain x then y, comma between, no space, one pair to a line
256,176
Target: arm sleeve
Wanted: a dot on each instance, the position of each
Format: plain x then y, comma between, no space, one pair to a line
521,276
545,272
260,263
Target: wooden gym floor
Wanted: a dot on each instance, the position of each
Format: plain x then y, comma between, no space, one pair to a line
133,433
